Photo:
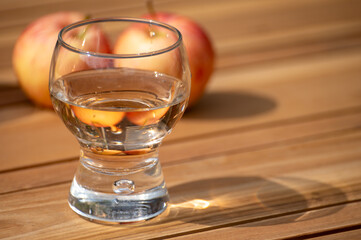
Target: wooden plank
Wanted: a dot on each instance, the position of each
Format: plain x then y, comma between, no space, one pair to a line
199,148
37,176
263,94
39,137
249,19
244,139
20,14
282,89
350,235
217,192
235,53
294,226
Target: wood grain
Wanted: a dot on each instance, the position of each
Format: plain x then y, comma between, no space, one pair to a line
240,140
258,27
291,91
308,224
348,234
247,187
272,151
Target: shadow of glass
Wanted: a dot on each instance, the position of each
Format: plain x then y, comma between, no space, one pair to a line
219,105
247,199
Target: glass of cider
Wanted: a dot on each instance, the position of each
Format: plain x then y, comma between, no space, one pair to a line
120,85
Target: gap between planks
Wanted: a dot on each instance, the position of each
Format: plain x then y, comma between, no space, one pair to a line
247,212
323,116
346,232
300,41
63,171
248,232
349,233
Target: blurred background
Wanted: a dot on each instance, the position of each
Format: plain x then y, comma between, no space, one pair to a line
256,30
256,44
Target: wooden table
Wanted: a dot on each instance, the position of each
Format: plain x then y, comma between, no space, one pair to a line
271,152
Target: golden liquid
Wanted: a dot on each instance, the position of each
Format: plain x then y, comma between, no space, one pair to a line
119,111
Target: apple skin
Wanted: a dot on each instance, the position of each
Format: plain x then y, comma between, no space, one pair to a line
144,118
33,53
199,50
137,39
88,38
98,118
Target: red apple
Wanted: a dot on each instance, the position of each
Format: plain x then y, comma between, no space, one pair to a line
33,52
98,118
87,38
199,50
144,118
143,38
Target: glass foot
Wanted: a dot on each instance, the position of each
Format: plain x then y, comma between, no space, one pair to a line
110,208
118,196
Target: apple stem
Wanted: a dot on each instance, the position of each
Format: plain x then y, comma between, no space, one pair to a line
150,7
81,35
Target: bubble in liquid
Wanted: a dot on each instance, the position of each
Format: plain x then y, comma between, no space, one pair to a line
123,186
91,132
116,201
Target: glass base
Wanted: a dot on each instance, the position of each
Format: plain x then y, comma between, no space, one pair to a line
119,195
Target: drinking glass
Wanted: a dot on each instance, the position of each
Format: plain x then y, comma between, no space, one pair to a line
120,85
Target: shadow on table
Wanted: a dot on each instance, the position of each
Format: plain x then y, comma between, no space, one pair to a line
219,105
13,103
254,201
11,95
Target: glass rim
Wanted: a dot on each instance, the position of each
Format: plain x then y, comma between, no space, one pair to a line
118,19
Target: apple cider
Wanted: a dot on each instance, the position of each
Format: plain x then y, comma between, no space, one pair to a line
119,91
119,111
